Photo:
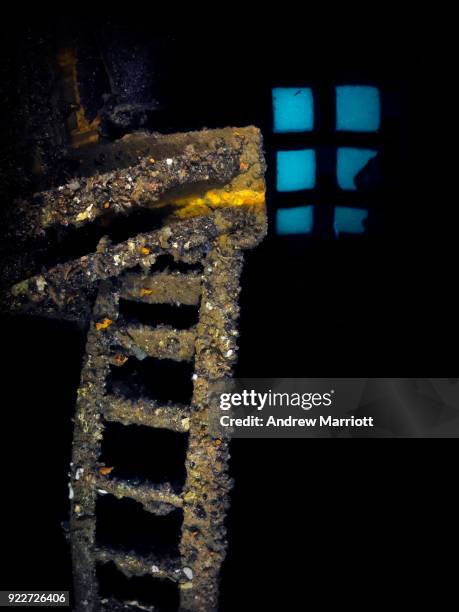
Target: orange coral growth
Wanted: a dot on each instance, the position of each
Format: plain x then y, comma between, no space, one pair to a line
105,324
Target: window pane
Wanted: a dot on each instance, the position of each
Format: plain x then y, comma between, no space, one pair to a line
350,220
358,109
295,220
296,170
293,109
350,163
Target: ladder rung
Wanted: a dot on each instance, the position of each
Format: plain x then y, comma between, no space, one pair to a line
131,564
163,288
146,412
159,500
114,605
160,342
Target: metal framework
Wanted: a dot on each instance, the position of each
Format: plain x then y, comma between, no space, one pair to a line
233,220
204,500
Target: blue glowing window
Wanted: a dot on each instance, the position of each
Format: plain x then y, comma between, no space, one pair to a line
296,170
293,109
350,163
350,220
295,220
358,108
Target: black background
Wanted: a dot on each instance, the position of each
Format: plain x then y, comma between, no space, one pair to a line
374,306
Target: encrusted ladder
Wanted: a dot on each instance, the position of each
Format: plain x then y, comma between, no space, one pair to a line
204,499
207,191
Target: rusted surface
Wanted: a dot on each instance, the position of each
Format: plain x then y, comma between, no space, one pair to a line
162,342
88,431
146,412
159,499
66,290
204,498
203,545
163,288
120,192
171,171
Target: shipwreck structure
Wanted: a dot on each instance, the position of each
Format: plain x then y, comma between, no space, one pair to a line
207,191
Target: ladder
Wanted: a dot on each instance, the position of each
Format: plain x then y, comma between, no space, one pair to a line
204,499
209,187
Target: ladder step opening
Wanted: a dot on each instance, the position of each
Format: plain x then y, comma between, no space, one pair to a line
168,264
131,564
161,380
146,590
125,525
140,454
175,314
